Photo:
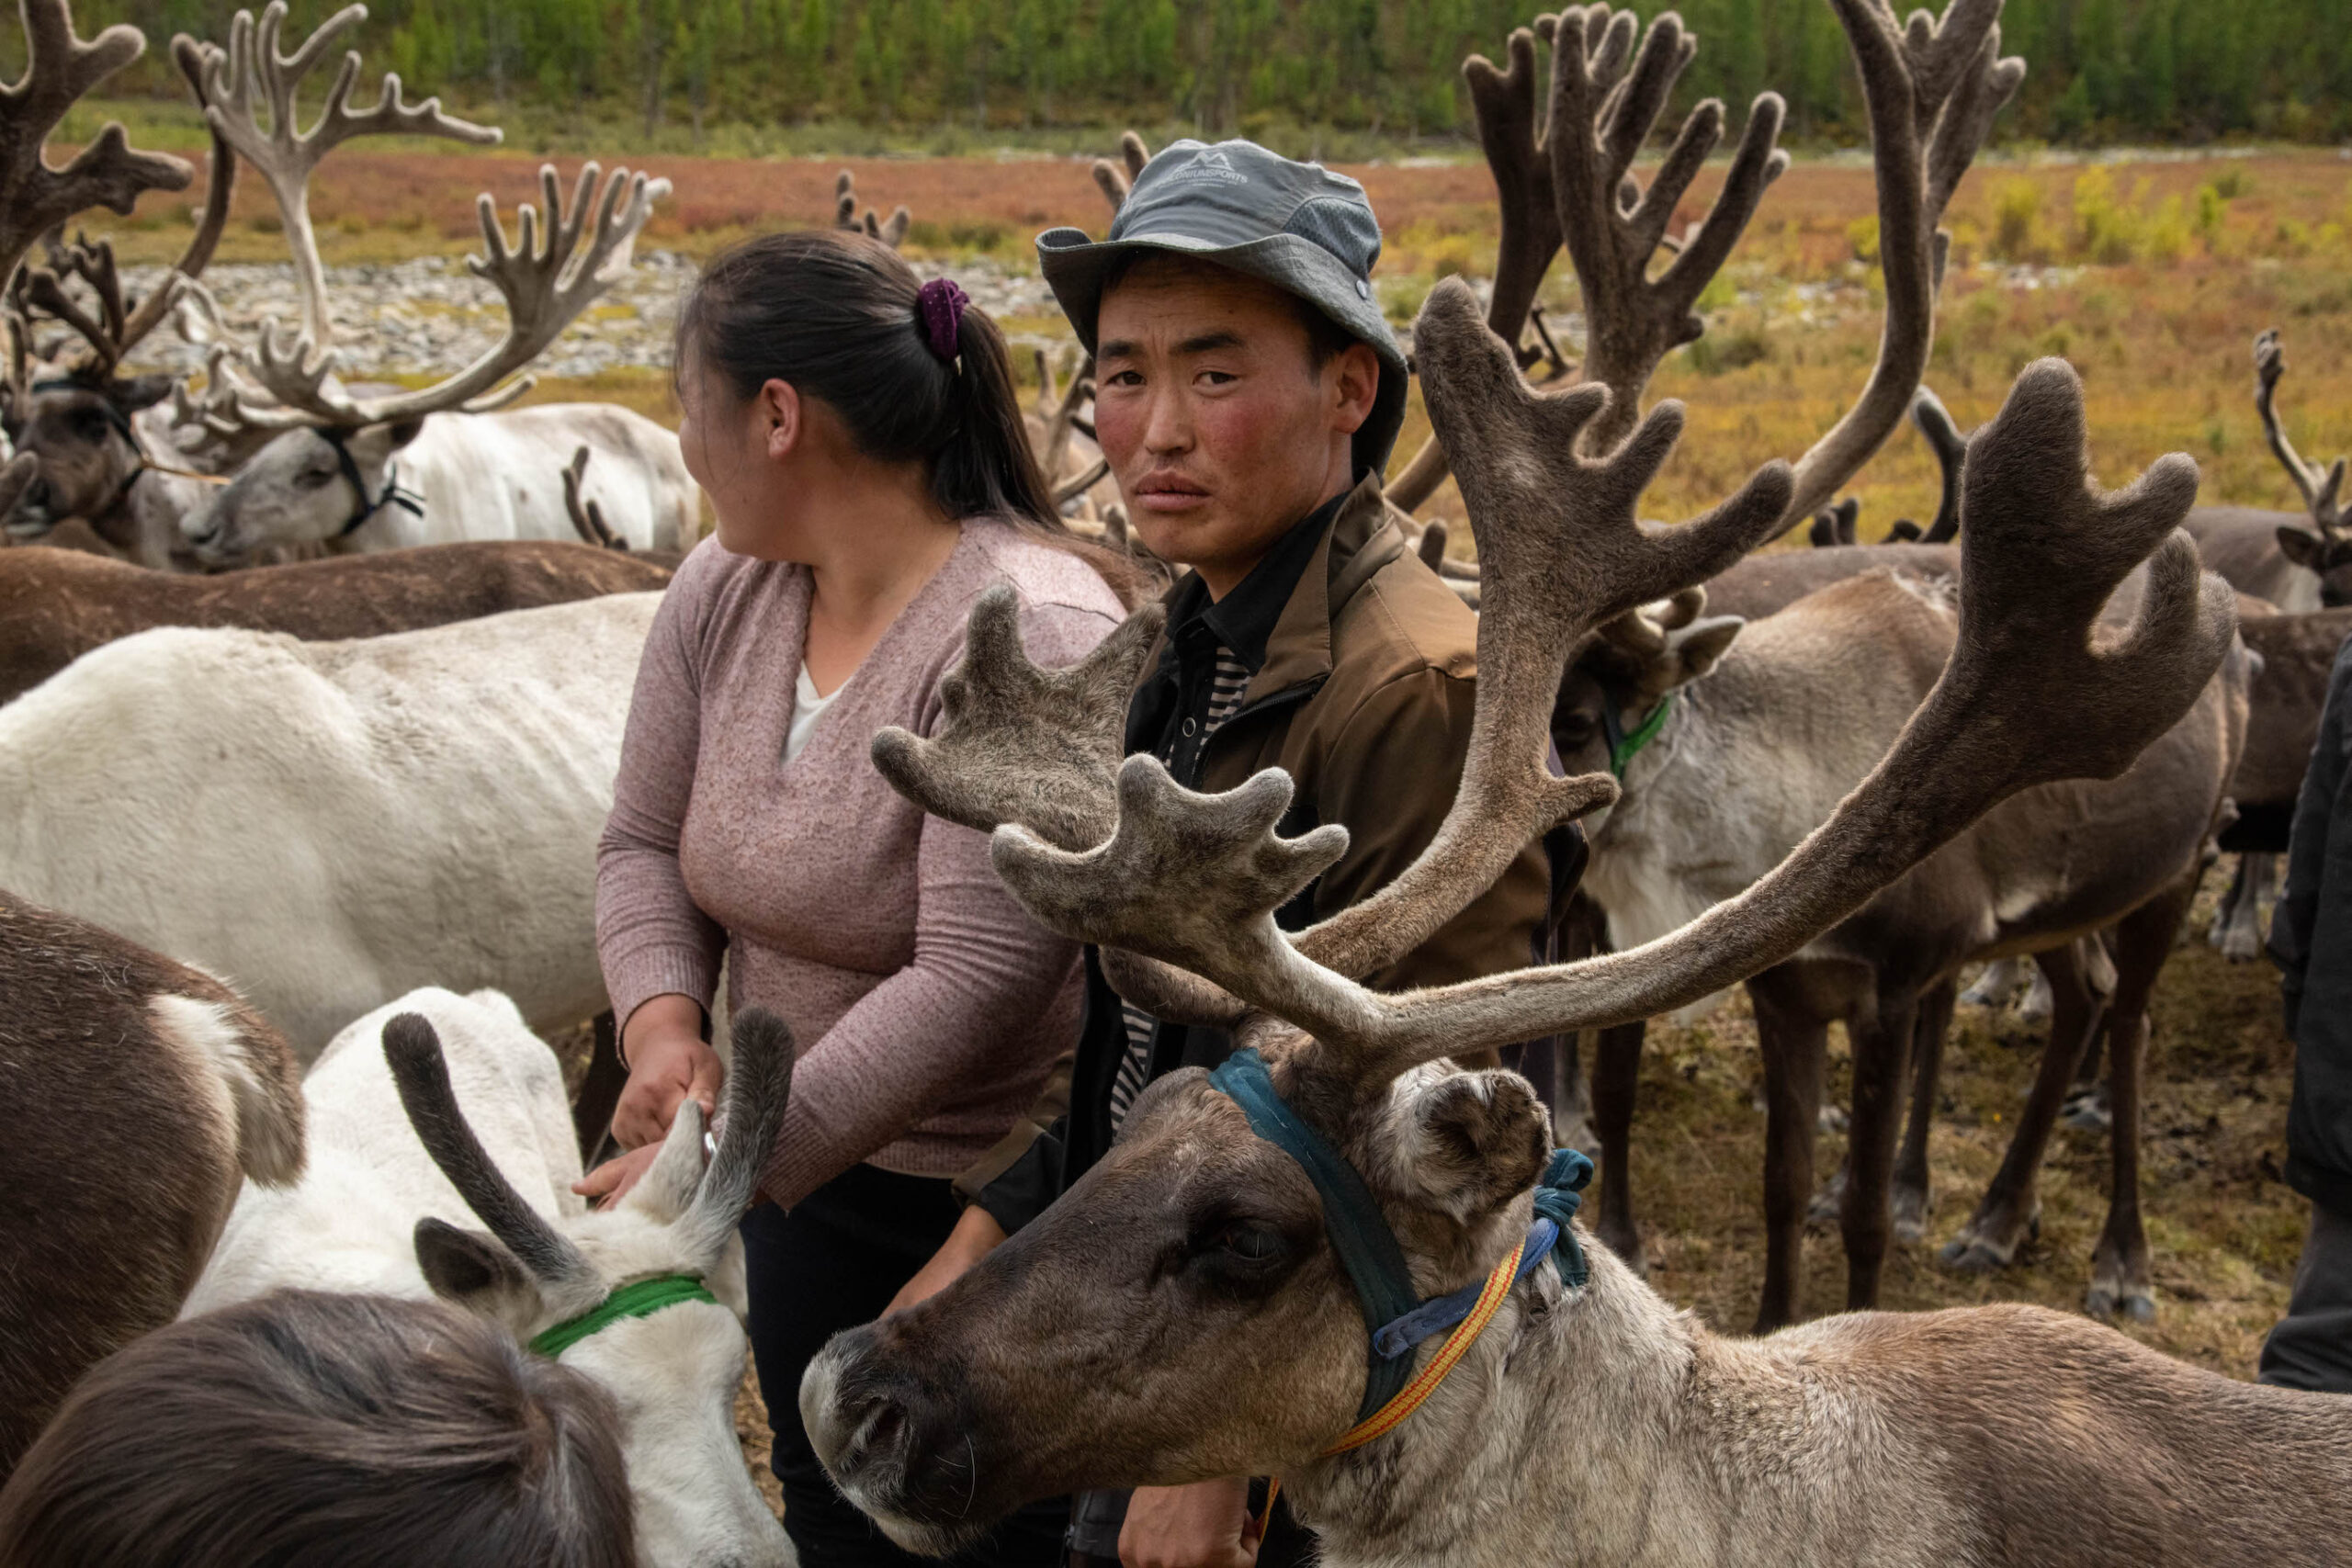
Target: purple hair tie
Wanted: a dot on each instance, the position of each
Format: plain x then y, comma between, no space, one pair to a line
940,305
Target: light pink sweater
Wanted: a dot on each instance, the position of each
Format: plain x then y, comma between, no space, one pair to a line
926,1005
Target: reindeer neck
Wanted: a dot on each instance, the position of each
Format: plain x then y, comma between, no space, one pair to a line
1603,1427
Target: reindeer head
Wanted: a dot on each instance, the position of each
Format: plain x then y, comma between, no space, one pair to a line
1182,1312
2325,548
613,1294
306,486
79,427
1621,686
1188,1285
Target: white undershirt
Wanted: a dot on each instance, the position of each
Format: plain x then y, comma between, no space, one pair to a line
808,708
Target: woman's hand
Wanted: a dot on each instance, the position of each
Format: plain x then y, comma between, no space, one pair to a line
669,1062
1206,1525
606,1186
975,1236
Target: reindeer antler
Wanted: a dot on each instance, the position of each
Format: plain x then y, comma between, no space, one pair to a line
2321,489
2034,691
587,517
238,83
60,68
546,286
1935,423
845,215
1114,180
1571,177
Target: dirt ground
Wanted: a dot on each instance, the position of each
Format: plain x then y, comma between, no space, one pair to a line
2223,1227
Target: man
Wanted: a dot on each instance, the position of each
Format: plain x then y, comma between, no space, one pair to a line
2310,941
1247,393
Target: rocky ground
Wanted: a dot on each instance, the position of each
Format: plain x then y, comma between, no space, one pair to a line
429,315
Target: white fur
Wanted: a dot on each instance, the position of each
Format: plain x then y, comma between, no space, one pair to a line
492,476
348,1227
327,825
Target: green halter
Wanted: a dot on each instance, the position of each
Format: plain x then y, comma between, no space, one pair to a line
639,1298
1624,744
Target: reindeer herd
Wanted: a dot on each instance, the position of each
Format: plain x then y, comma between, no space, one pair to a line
301,789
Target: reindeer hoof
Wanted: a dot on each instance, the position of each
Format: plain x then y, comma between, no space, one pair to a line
1911,1209
2239,945
2107,1301
1975,1251
2087,1108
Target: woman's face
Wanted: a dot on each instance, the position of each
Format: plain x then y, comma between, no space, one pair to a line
744,452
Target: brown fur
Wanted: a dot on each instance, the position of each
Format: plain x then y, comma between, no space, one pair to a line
128,1150
56,605
2297,653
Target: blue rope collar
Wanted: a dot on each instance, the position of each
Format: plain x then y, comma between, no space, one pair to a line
1393,1313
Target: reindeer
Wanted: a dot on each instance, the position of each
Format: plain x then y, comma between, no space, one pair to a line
360,472
1182,1312
94,428
56,605
1761,738
35,197
147,1092
330,824
646,1299
2296,651
2297,561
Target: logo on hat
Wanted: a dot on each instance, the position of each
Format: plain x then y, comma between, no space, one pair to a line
1213,164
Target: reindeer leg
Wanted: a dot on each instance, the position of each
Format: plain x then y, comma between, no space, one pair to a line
2085,1104
1795,1047
1616,1073
1882,1047
2237,927
2010,1212
2119,1279
1913,1191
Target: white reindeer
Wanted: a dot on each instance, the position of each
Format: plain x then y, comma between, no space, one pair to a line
326,825
357,472
486,1133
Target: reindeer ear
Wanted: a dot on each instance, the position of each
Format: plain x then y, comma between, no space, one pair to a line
1697,647
473,1270
1475,1141
2303,547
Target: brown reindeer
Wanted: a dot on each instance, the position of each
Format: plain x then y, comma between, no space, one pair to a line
1183,1312
2299,561
2296,652
1750,759
145,1093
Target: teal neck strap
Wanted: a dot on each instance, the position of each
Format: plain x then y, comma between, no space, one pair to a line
640,1298
1624,744
1352,1216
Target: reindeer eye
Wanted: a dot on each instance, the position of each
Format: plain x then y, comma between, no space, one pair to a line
315,479
1251,1243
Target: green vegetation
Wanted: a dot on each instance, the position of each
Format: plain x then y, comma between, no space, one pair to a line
1339,78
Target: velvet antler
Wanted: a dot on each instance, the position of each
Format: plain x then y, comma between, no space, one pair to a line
2321,488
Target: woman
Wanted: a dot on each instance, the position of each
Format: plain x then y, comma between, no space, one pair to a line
860,440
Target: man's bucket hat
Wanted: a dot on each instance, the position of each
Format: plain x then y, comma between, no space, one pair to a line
1297,226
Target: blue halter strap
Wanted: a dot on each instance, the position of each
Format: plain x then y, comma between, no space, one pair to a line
1393,1313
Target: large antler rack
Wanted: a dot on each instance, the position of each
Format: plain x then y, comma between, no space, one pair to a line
546,286
1931,89
237,85
60,68
2034,691
119,325
2322,488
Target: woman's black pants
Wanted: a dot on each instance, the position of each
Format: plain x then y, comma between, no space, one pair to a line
834,1262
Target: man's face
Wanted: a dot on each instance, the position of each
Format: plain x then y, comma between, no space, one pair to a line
1220,430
